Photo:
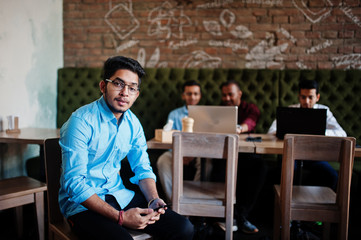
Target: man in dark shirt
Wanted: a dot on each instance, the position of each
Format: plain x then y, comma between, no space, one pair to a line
251,168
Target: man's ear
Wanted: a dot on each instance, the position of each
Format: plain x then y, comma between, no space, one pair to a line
183,97
318,97
102,86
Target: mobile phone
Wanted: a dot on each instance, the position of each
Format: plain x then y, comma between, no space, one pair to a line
254,139
163,206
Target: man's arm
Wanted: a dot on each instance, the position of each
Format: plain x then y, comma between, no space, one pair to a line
149,190
273,128
253,114
333,128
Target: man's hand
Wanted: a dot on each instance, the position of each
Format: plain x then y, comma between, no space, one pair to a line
139,218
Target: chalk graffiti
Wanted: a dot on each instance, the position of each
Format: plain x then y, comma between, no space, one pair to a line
266,53
126,45
287,35
319,47
301,65
348,61
227,18
266,2
182,43
348,12
241,31
213,27
313,14
228,43
166,21
199,59
153,61
214,4
116,23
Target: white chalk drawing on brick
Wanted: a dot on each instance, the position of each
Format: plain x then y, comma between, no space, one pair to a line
265,2
319,47
287,35
301,65
266,54
126,45
182,43
229,44
314,14
214,4
167,21
153,60
241,31
199,59
125,10
348,12
227,18
213,27
350,61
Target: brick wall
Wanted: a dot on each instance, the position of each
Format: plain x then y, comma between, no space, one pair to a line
275,34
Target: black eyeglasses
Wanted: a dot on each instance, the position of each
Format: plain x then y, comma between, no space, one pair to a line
119,85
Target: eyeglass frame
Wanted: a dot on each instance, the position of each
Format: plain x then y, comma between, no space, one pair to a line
130,86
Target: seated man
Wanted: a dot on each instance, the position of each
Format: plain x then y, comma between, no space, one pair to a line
191,95
322,173
252,169
94,141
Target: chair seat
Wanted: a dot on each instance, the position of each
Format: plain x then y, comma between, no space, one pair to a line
19,191
311,195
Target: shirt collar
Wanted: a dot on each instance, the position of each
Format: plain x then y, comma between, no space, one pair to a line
105,112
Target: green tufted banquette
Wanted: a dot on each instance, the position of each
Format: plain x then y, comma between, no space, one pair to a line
161,88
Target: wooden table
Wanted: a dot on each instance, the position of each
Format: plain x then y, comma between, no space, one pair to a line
243,145
270,144
28,136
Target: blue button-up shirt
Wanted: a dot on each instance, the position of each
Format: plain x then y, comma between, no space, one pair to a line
176,115
93,145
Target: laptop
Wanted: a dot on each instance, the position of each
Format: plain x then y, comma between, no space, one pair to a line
300,121
214,119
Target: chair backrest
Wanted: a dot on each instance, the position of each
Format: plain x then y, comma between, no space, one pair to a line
204,145
317,148
52,154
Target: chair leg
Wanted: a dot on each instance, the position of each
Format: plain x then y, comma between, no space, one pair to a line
19,221
39,207
326,230
343,228
276,221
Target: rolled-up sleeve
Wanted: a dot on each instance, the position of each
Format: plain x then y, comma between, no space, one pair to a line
75,160
139,160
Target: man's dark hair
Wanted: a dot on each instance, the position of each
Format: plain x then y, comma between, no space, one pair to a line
191,83
113,64
308,84
229,82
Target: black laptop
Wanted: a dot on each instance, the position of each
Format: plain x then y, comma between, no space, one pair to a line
300,121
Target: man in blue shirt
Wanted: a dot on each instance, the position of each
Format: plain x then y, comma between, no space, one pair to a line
94,141
191,95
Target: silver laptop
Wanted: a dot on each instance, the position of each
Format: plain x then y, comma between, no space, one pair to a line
216,119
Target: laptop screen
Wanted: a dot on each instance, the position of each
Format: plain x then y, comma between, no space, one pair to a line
216,119
300,121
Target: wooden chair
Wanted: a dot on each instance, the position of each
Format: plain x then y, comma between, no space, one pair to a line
19,191
314,203
58,226
208,199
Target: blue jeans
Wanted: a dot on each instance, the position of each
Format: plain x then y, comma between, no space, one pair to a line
91,225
